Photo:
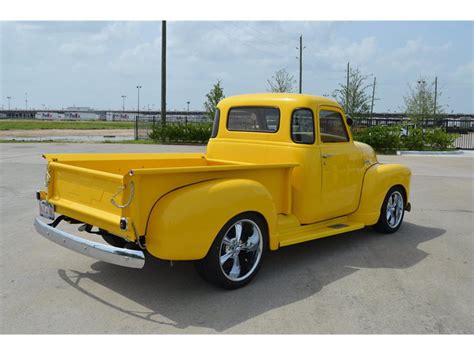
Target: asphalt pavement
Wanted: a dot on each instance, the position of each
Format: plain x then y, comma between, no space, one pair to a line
418,280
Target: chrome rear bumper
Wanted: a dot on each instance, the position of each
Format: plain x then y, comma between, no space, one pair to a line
118,256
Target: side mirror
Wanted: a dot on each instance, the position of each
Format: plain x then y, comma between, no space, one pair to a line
349,120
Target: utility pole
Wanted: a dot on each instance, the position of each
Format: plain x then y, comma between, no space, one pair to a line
163,73
373,98
347,88
123,102
138,113
435,96
301,63
9,97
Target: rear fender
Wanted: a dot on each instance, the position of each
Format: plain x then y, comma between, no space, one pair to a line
378,180
184,223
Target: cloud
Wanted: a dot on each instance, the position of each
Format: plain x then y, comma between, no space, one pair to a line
140,59
95,43
94,63
414,55
342,50
82,48
464,73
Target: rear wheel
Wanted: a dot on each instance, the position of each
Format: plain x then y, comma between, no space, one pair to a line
236,255
392,212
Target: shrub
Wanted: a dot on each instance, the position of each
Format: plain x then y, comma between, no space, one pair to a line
439,139
381,138
389,138
181,133
414,139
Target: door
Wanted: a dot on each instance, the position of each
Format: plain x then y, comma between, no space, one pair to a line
341,165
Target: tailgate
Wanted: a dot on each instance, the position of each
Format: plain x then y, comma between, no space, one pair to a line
89,195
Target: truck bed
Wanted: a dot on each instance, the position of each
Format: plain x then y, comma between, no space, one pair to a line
84,185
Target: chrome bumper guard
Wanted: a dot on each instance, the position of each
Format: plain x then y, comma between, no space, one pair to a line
109,254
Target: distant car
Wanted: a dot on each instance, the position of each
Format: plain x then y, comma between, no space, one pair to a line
280,169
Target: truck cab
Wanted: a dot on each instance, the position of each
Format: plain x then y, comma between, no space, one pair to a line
309,130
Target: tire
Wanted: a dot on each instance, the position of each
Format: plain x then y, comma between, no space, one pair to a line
392,211
236,254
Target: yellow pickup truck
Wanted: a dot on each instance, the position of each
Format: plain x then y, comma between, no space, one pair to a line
280,169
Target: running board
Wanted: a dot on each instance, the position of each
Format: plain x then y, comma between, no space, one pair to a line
305,233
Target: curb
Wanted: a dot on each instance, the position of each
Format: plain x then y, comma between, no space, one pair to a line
428,152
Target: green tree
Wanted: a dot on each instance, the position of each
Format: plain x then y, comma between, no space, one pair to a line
281,81
355,99
420,101
213,97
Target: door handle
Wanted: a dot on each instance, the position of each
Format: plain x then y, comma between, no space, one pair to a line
327,155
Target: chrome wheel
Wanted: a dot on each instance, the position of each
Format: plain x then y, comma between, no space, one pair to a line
394,211
240,250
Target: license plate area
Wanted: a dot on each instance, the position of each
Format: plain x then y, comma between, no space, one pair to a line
46,210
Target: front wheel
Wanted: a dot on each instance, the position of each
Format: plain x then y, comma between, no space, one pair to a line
392,211
237,252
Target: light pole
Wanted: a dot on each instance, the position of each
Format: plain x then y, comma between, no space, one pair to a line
9,98
186,117
123,102
26,101
138,113
422,94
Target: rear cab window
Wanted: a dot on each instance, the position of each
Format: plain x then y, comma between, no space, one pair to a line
254,119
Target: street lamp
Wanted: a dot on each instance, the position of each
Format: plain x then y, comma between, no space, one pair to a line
138,113
123,102
186,117
422,93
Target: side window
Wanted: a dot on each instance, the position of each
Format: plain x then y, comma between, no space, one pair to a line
332,127
302,126
215,125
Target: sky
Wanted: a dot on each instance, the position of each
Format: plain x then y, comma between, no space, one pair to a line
63,64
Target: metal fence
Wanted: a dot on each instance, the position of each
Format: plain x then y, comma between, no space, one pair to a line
463,127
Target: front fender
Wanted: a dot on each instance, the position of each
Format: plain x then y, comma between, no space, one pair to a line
378,180
184,223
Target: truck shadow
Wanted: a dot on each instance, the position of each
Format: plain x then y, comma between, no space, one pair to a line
178,297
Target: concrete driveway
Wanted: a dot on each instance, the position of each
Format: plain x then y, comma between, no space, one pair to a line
419,280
